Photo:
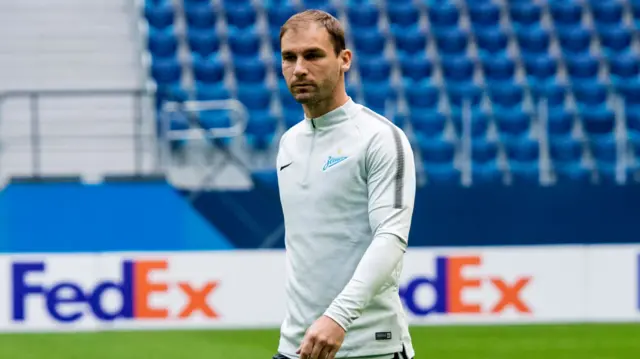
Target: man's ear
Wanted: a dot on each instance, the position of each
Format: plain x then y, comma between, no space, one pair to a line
346,56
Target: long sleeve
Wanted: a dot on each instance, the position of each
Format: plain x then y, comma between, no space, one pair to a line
391,185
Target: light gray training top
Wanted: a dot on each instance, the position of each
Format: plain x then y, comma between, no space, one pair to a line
347,188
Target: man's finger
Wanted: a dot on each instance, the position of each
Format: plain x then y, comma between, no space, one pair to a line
333,352
318,346
306,347
325,352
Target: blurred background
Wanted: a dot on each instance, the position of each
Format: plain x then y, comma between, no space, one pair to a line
139,196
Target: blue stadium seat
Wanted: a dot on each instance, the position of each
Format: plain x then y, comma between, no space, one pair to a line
572,172
615,39
415,67
244,42
363,15
410,41
422,95
278,14
255,97
534,40
203,42
231,3
260,131
436,149
274,37
582,67
603,148
370,42
499,68
428,123
553,92
459,93
166,70
162,42
598,120
374,68
566,13
452,42
211,119
241,15
214,91
483,14
630,91
209,69
483,150
633,119
276,63
159,16
506,94
480,120
565,149
525,14
590,94
443,16
522,149
560,121
200,16
442,174
292,116
575,40
402,15
286,97
323,5
608,12
491,41
513,122
377,94
541,68
525,172
458,68
486,173
250,70
172,92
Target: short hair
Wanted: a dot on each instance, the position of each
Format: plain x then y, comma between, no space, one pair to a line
326,20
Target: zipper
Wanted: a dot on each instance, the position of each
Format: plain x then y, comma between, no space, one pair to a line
305,179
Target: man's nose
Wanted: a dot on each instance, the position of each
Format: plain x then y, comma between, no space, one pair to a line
300,68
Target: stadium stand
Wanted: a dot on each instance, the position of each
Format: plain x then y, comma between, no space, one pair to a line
513,68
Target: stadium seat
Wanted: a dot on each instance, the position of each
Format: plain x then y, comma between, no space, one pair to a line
499,68
598,120
422,95
615,39
212,119
633,119
523,149
255,97
286,98
244,42
606,13
630,91
410,41
240,15
560,121
553,92
436,149
442,174
566,13
209,92
166,70
209,69
491,41
452,42
572,172
483,150
415,68
362,15
374,68
162,42
525,172
370,42
565,149
250,70
506,94
534,40
278,14
200,16
428,123
524,14
575,40
582,67
480,120
590,93
461,93
292,116
458,69
604,148
402,14
323,5
513,122
540,69
624,67
483,14
445,15
486,173
159,16
261,130
203,42
377,94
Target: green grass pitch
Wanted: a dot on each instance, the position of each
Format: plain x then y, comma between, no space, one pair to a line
585,341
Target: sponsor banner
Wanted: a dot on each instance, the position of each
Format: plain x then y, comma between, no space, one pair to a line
245,289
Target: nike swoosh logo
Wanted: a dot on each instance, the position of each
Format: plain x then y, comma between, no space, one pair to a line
285,166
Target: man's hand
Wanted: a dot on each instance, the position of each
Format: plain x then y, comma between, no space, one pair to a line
322,340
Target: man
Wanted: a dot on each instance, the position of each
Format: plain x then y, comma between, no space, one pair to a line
347,186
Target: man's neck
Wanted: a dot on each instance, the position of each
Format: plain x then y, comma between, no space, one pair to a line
323,107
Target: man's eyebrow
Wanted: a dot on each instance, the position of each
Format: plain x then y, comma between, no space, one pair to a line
305,51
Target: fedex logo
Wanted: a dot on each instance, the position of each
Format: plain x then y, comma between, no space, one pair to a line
449,285
68,302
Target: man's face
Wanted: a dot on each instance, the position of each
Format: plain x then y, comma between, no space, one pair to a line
309,64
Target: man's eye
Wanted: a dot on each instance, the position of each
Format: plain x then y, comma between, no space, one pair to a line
288,58
312,56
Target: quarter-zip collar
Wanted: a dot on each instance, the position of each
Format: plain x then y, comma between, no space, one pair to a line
336,116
